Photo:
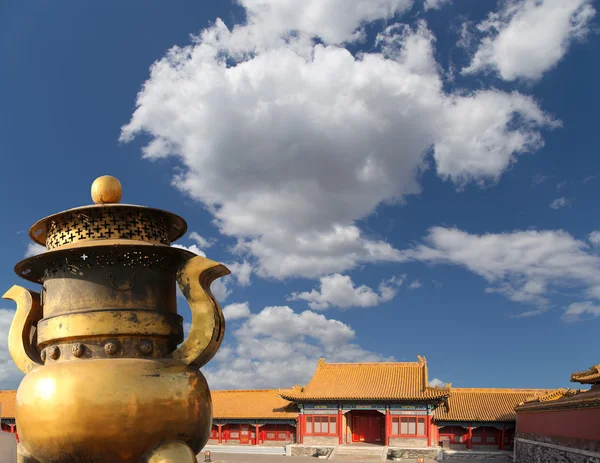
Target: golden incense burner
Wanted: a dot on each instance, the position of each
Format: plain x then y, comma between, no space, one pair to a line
105,380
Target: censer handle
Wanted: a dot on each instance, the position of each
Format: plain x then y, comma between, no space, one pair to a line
208,323
22,336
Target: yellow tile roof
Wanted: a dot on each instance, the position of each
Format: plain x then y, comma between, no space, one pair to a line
483,404
251,404
7,404
570,400
367,381
591,376
552,395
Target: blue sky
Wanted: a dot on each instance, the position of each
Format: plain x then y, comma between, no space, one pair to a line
386,178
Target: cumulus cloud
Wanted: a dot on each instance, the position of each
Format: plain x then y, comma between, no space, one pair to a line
192,248
559,203
435,4
34,249
279,348
241,271
201,241
525,266
333,21
220,289
435,382
594,238
415,285
339,291
581,310
512,46
236,310
10,375
288,143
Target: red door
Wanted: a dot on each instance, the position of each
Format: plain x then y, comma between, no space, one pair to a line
366,428
357,435
244,434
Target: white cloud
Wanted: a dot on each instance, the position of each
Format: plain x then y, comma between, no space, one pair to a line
202,242
279,348
241,271
435,382
192,248
525,266
289,145
34,249
236,310
559,203
334,21
578,310
415,285
594,238
339,291
434,4
561,185
220,289
529,37
10,375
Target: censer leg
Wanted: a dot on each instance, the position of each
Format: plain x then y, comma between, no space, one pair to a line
170,452
23,456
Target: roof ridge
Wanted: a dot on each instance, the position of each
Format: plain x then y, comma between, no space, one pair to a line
245,390
414,364
500,389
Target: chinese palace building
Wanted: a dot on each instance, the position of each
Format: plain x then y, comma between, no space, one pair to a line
387,404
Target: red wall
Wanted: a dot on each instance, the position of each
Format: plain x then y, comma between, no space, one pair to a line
582,423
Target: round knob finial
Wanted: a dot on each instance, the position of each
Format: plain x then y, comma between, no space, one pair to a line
106,189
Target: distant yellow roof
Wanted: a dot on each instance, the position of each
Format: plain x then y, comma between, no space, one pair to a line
367,381
590,376
483,404
7,404
570,399
251,404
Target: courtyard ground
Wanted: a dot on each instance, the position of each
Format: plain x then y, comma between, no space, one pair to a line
8,454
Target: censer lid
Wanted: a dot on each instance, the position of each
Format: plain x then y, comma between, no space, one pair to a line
109,253
108,220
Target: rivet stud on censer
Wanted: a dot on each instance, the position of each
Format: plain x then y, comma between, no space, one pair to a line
111,347
123,385
145,347
78,349
54,352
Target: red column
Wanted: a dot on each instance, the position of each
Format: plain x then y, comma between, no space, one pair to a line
428,427
301,433
339,427
502,438
219,435
469,435
388,425
256,438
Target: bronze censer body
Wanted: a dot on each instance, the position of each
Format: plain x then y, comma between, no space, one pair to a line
105,380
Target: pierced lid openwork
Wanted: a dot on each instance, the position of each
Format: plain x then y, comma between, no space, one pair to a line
108,222
105,223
